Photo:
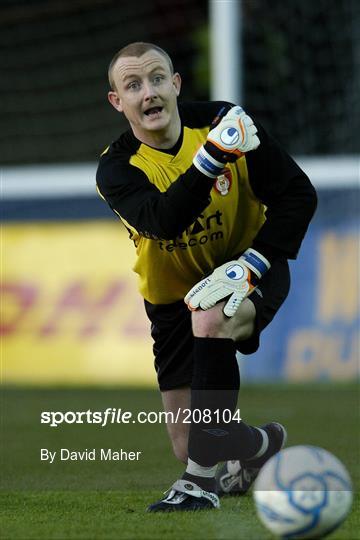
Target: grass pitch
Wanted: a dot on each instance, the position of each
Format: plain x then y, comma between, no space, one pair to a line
107,500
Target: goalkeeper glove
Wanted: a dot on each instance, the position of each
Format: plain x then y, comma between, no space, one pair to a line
234,278
234,135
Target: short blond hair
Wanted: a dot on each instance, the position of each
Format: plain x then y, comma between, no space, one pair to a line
138,48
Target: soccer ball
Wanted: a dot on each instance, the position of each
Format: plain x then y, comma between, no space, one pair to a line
303,492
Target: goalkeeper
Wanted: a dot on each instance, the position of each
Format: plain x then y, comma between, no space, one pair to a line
214,207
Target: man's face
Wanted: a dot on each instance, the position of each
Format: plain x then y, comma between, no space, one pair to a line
146,92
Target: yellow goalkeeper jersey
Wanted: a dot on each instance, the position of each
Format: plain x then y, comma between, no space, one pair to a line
182,223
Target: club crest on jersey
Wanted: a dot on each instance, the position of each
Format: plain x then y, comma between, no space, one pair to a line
223,182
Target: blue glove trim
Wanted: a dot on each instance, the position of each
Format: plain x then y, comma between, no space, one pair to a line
255,261
202,162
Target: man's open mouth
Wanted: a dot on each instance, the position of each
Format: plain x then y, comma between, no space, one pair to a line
153,111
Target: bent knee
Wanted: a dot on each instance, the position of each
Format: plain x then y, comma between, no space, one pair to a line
244,331
214,324
210,323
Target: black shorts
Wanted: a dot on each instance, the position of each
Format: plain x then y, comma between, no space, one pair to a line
172,332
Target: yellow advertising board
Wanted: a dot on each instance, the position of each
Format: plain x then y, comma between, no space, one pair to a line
70,310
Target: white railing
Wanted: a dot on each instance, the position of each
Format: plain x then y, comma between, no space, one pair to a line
78,180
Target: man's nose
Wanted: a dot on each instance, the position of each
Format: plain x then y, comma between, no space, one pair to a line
149,91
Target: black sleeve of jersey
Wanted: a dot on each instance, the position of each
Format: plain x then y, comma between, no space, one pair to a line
129,193
287,192
202,113
157,214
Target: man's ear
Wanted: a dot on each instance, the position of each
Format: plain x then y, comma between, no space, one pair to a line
177,83
115,101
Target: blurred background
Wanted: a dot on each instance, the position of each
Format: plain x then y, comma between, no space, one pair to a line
70,308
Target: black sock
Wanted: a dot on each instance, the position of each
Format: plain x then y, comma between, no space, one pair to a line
215,386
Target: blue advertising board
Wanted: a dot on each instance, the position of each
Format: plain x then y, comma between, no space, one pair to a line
315,335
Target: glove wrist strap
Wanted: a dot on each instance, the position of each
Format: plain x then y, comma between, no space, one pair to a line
256,262
206,164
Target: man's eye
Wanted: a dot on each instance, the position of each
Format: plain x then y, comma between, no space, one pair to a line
133,85
158,79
